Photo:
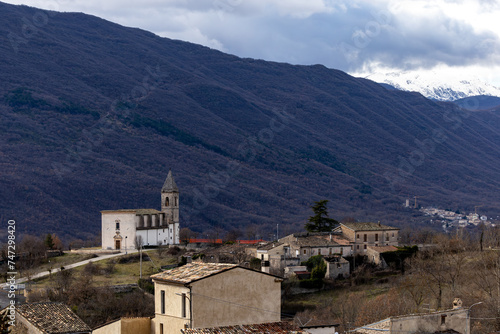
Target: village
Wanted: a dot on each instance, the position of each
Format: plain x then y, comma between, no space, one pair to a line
238,287
452,220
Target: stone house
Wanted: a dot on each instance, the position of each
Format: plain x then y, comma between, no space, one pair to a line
200,295
375,254
48,318
449,321
362,235
120,228
304,245
292,250
336,267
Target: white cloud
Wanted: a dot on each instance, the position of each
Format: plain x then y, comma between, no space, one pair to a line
419,34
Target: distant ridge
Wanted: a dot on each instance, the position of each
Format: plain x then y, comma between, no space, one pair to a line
93,115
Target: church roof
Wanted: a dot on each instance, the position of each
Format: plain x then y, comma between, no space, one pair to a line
169,185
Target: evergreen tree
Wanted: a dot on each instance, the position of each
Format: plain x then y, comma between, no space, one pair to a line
49,242
320,221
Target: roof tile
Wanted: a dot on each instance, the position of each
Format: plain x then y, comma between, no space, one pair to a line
267,328
53,318
192,272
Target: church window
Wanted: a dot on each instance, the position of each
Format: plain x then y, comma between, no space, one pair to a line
166,201
376,237
117,225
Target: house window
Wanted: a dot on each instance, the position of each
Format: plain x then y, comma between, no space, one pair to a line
364,247
117,224
365,238
304,251
341,251
443,319
330,251
387,237
357,247
162,302
183,305
319,251
393,235
161,328
167,203
376,236
358,236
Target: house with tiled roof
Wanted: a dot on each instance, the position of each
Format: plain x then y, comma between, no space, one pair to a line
454,320
362,235
267,328
279,256
375,254
202,295
48,318
123,229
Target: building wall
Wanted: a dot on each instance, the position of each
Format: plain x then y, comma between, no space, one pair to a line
172,319
430,323
126,230
373,238
236,297
334,269
135,325
157,236
111,328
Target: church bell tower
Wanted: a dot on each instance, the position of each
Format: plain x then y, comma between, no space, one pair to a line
170,199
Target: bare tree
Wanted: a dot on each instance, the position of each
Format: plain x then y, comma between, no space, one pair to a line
138,242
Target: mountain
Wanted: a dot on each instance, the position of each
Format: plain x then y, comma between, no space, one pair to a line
435,86
481,102
93,115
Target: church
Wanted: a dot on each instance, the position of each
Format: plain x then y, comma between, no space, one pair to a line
125,228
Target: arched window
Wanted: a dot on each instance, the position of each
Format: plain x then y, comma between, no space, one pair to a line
166,201
175,201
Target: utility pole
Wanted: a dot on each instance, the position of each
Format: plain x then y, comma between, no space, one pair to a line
467,329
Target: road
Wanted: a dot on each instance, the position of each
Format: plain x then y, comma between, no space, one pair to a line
69,266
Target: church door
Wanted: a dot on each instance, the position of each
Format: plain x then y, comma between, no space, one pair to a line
117,244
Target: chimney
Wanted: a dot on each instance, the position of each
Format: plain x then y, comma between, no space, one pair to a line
379,223
457,303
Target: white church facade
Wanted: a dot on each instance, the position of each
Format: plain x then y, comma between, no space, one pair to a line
123,229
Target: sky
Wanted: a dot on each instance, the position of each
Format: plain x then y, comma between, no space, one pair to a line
360,37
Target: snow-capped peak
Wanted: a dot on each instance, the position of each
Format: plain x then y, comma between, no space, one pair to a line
434,85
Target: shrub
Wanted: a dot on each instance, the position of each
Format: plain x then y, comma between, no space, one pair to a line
311,283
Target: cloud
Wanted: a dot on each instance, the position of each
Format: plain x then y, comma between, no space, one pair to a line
348,35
